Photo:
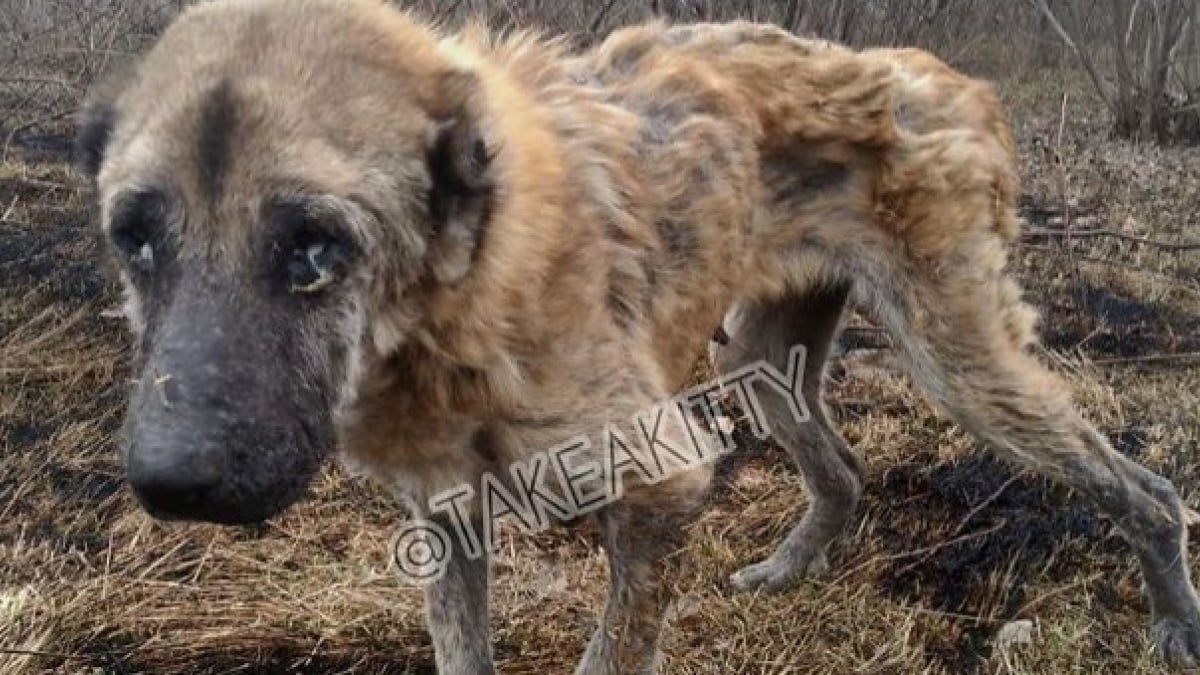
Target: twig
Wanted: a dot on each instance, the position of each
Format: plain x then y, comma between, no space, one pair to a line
9,211
984,504
43,184
1032,208
1088,65
1101,232
29,125
598,20
446,11
1062,166
961,524
1064,178
39,80
1174,280
1150,358
1024,611
924,552
34,652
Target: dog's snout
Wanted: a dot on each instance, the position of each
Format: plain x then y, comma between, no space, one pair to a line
175,484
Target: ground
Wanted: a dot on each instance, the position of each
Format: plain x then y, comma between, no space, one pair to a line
949,547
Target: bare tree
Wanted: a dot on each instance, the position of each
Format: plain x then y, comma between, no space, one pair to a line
1144,59
51,51
1153,46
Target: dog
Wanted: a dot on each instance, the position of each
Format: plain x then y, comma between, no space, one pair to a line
444,254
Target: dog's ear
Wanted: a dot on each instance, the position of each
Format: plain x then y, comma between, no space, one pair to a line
94,126
96,119
461,181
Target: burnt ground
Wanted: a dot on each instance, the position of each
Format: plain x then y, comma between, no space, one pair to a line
949,546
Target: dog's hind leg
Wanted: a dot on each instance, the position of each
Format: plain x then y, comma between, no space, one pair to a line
965,335
767,331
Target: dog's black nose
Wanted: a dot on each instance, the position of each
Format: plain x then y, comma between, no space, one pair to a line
172,488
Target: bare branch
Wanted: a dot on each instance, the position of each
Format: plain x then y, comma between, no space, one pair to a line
1083,57
795,14
1113,234
598,19
62,114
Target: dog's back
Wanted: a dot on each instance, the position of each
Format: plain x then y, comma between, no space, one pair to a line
755,163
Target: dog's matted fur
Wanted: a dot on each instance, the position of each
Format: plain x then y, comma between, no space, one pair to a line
447,253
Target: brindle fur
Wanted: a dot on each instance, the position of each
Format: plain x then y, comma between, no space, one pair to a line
530,244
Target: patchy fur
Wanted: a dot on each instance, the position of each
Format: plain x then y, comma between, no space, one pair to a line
517,245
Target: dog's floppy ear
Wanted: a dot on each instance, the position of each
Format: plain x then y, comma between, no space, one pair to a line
461,189
95,121
94,126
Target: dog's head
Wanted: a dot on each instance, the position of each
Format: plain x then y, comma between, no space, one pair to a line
269,176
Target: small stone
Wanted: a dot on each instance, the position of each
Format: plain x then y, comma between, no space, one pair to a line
1018,632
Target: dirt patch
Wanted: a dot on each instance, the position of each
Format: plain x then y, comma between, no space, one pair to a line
1103,322
990,538
57,254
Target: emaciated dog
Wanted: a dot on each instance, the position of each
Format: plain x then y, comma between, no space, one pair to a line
443,253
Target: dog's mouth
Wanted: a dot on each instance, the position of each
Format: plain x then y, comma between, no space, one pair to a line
189,502
188,467
216,504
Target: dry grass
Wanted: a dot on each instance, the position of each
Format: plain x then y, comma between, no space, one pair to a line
948,547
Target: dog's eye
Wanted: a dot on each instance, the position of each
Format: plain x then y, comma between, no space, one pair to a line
310,249
133,233
316,261
135,247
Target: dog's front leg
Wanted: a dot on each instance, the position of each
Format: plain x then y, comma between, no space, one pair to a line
456,613
643,535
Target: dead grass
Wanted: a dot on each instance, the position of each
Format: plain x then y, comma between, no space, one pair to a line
948,547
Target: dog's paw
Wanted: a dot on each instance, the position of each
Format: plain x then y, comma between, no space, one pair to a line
1177,641
777,572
